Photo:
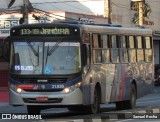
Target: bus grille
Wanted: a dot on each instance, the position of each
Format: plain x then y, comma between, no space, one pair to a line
35,80
50,100
41,90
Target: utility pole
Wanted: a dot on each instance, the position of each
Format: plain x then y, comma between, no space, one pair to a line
25,11
109,12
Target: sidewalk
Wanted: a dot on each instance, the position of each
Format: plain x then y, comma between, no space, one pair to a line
4,97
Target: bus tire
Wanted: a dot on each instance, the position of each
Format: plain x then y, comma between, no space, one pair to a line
33,110
130,104
95,107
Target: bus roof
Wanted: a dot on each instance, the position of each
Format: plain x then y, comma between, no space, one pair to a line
102,28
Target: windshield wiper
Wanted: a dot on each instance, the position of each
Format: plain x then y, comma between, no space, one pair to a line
35,53
33,50
49,52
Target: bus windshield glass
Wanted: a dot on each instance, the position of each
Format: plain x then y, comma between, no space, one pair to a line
51,58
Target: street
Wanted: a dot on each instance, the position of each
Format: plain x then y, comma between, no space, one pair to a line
149,102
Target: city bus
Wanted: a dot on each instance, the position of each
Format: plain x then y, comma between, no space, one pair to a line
79,66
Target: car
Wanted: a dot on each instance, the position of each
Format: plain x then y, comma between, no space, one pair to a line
157,75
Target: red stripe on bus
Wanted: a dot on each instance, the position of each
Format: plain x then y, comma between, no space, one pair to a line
26,86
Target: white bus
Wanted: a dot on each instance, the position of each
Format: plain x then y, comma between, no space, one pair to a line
79,66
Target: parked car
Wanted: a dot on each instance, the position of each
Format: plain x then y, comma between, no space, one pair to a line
157,75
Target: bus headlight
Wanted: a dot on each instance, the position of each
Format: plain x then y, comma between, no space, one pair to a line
72,88
15,88
18,90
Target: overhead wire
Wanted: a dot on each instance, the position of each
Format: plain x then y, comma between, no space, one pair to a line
68,3
56,14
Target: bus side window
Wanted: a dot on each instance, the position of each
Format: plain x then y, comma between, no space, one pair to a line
131,49
148,49
105,50
114,49
140,51
123,49
97,48
86,48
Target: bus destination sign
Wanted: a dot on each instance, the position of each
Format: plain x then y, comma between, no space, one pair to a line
45,31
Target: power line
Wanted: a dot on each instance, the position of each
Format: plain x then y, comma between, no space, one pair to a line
68,3
56,14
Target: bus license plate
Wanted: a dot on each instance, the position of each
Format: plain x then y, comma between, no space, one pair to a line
41,99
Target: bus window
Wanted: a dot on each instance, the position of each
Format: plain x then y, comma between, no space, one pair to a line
97,51
140,51
140,55
105,50
124,55
131,42
131,49
105,41
114,41
148,42
132,55
85,38
123,41
115,55
139,41
148,50
106,56
123,49
114,50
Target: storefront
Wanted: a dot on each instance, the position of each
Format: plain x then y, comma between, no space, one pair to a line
6,22
3,64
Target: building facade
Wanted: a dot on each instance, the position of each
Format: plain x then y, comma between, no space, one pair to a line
123,12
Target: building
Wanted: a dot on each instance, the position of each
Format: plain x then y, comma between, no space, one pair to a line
124,12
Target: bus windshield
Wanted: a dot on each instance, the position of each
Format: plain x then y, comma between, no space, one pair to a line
50,58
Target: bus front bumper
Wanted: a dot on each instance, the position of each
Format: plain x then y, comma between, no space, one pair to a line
46,98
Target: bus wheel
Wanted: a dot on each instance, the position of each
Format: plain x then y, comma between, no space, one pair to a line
95,107
132,102
33,110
